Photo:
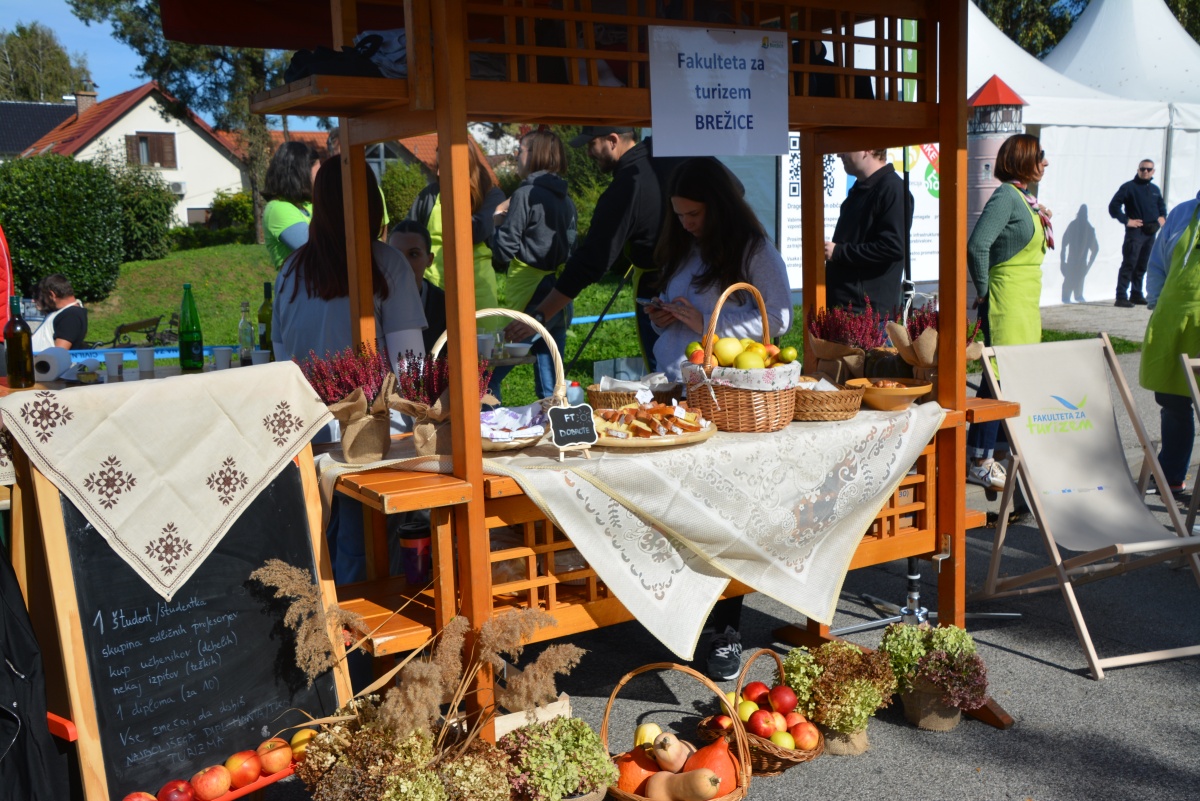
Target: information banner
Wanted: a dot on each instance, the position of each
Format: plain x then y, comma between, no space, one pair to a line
718,92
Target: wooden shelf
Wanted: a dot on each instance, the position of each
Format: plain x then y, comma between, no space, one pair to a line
393,491
376,600
333,96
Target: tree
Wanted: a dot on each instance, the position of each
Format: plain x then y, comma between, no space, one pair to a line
1188,14
34,65
215,80
1036,25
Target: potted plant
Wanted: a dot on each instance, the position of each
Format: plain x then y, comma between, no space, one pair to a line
839,687
421,386
357,387
845,344
557,759
938,673
917,342
416,742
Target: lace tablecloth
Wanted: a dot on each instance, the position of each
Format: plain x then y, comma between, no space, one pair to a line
162,468
667,528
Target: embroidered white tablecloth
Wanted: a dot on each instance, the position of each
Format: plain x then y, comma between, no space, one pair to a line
162,468
666,528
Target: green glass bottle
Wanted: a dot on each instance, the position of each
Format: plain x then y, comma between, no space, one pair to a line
191,341
18,341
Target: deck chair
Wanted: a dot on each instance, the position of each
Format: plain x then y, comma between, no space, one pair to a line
1190,366
1069,461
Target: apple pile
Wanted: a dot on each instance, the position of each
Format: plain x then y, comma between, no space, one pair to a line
744,354
241,769
770,713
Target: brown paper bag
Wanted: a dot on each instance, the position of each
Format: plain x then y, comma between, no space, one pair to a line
833,360
431,424
366,432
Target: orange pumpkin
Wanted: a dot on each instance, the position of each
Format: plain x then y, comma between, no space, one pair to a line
635,768
717,758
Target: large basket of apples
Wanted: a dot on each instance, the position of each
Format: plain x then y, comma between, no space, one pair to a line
779,736
662,767
736,385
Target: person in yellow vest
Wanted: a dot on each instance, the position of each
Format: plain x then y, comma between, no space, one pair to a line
1173,295
1004,259
485,197
535,233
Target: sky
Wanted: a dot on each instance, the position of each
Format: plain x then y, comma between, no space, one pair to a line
112,64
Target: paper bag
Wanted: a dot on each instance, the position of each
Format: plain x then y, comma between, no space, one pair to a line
366,432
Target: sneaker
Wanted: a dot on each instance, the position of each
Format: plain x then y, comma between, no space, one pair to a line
1123,303
989,474
725,656
1137,300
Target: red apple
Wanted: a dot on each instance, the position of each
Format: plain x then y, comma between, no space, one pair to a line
721,723
783,699
806,736
139,797
780,721
275,755
211,783
761,723
177,790
757,692
792,718
244,767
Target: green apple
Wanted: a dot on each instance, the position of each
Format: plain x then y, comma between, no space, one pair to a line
745,709
749,360
726,350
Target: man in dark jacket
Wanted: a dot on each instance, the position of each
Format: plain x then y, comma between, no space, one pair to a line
626,221
1139,206
866,257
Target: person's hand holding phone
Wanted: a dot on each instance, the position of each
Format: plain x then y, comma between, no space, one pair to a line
681,309
658,312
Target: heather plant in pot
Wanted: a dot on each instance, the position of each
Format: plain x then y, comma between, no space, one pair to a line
938,673
357,387
839,341
916,340
557,759
840,687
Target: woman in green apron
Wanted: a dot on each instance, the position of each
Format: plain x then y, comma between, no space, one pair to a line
535,233
485,197
1004,259
1173,295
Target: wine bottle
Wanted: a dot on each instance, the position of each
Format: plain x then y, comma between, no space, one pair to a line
264,320
246,335
18,339
191,341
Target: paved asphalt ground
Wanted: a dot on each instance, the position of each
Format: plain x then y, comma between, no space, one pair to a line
1133,735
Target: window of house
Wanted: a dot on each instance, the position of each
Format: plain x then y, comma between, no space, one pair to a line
380,155
198,216
151,149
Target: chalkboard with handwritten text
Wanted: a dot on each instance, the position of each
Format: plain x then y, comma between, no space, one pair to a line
183,684
572,425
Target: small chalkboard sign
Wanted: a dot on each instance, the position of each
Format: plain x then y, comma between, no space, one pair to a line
162,689
572,428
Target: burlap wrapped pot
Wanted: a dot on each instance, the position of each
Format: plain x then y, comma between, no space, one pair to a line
366,431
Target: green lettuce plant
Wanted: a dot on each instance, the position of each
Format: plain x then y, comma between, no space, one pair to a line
556,759
942,657
838,685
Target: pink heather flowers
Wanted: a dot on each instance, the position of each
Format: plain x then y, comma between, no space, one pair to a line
857,329
338,374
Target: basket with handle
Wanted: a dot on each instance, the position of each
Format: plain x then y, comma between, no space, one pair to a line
557,398
722,394
766,758
615,399
821,406
741,744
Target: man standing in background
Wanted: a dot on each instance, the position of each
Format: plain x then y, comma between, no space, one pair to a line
866,257
1139,206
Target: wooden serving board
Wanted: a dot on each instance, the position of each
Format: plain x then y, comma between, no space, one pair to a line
657,442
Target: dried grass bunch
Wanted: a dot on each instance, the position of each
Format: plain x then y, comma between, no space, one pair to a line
417,742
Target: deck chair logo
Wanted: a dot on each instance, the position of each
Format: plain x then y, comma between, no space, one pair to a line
1064,418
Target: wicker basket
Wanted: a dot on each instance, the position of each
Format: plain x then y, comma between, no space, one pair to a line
613,399
741,745
766,758
732,408
557,398
841,405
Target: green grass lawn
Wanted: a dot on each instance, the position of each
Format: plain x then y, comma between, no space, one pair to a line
222,277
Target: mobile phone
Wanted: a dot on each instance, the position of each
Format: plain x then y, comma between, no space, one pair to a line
645,302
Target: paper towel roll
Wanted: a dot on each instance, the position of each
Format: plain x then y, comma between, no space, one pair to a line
50,363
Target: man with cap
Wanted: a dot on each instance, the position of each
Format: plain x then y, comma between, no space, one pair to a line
626,221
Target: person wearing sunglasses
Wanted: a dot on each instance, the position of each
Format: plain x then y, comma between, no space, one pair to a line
1139,206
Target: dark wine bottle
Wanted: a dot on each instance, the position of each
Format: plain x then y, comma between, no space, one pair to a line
18,339
191,341
264,320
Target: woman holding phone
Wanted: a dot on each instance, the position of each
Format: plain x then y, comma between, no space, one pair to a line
712,241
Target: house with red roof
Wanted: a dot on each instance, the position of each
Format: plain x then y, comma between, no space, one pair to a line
195,160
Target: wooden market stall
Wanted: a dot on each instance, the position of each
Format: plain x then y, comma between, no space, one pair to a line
540,61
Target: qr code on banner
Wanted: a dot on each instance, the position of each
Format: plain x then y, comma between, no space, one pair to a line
793,165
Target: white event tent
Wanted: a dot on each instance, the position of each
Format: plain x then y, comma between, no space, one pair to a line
1138,50
1093,141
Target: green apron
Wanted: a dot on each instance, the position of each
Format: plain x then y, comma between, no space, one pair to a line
1015,291
521,282
1174,325
486,294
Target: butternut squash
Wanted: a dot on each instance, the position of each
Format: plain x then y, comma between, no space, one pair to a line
692,785
717,758
670,752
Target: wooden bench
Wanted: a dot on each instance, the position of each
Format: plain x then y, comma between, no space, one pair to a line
123,334
171,335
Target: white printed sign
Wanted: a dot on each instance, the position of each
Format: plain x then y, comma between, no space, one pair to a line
718,92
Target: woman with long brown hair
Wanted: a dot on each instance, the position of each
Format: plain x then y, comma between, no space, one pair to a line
1004,259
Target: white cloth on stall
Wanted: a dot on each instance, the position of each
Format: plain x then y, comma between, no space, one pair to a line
666,528
163,468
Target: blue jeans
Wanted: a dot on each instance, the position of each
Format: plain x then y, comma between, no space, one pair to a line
1178,429
981,437
543,369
